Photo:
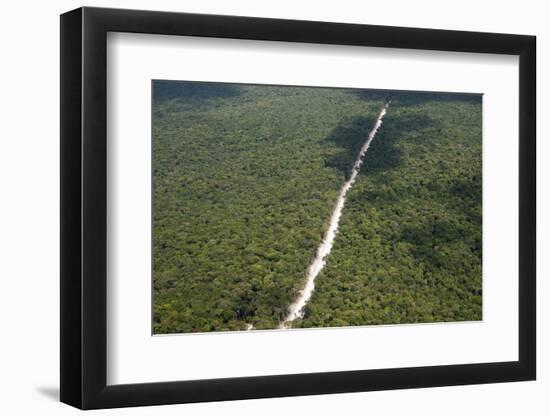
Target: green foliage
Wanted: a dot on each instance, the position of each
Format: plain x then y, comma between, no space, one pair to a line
409,244
244,182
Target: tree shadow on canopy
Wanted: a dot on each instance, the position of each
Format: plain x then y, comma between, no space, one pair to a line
412,98
165,90
384,153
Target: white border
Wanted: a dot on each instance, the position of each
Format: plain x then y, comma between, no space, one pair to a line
135,356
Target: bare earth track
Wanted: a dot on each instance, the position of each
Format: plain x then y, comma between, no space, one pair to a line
318,263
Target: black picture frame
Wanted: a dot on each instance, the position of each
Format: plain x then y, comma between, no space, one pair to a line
84,207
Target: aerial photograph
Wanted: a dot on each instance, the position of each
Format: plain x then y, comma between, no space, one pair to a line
290,207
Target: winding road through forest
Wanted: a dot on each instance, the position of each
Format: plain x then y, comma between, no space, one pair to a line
318,263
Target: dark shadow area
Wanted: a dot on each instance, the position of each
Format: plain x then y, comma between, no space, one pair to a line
415,98
436,231
433,232
372,95
411,98
427,239
466,195
168,90
50,392
349,136
383,153
468,188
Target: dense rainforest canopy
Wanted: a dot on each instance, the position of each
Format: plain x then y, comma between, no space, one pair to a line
245,178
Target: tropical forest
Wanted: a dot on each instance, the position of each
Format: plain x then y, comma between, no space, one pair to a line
282,207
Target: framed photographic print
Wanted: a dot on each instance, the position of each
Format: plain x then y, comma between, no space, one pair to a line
256,208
